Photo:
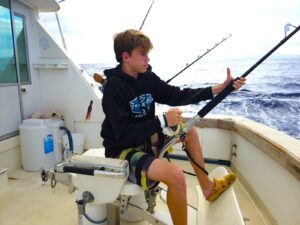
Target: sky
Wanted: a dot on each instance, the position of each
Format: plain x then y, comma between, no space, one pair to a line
179,30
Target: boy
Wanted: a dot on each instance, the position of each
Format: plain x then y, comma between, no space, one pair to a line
130,123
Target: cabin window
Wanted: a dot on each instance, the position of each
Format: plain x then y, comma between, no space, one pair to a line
10,101
19,22
8,71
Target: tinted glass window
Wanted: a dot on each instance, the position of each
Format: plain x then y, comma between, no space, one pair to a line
8,73
19,22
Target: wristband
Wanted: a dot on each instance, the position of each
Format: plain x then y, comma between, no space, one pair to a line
165,119
162,121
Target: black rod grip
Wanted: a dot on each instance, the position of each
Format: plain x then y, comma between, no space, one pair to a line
216,100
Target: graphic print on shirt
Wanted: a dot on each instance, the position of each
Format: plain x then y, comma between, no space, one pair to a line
141,105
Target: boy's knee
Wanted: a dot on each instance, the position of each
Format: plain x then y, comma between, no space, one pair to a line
177,178
192,134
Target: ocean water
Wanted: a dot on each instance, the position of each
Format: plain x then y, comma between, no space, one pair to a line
271,95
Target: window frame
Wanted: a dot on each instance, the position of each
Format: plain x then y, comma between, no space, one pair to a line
26,46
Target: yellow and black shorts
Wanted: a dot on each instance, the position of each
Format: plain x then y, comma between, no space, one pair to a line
139,163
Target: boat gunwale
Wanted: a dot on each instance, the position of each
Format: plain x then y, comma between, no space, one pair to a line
276,149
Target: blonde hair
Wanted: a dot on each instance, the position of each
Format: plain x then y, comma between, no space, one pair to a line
128,40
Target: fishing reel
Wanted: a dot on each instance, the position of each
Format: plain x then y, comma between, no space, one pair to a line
171,131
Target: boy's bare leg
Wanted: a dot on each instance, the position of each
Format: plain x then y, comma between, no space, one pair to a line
193,146
173,177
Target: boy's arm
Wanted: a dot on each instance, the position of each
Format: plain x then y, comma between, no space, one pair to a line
174,96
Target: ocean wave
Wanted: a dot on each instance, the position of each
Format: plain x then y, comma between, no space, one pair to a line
284,95
279,114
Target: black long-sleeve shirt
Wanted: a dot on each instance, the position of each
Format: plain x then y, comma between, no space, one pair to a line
129,107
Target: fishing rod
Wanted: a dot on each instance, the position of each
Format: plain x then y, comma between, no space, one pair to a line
216,100
199,57
146,16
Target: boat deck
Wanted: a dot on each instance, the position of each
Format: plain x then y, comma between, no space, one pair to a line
29,201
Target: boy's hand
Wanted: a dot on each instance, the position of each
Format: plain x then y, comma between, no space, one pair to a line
237,84
173,117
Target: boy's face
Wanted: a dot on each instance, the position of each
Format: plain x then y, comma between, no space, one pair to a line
137,60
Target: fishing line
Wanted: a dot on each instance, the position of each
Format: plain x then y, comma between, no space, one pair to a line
167,191
186,172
